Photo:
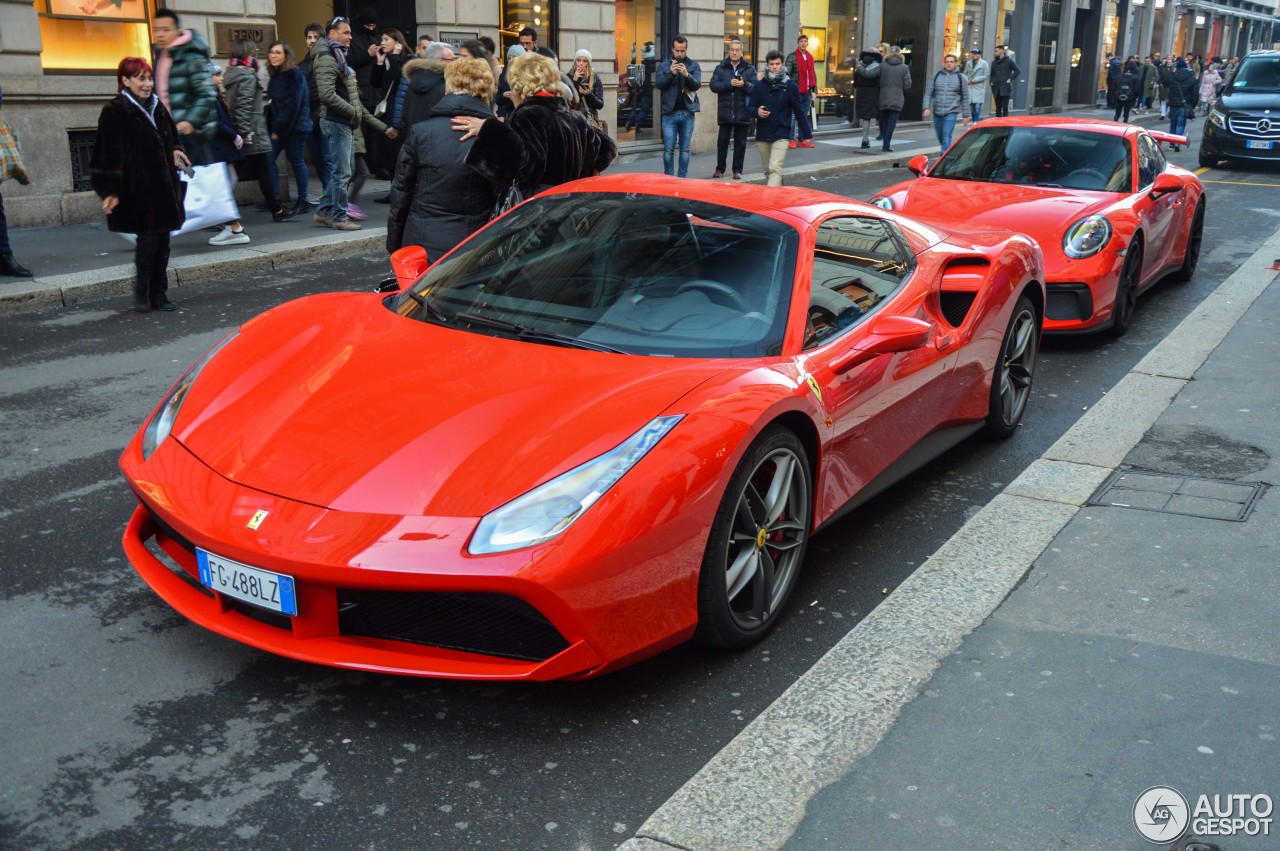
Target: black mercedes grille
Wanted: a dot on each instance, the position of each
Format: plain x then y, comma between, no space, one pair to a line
955,306
492,624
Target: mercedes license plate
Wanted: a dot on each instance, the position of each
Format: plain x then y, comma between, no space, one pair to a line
1254,143
274,591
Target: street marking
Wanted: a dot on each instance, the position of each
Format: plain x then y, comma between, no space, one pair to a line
1242,183
1203,169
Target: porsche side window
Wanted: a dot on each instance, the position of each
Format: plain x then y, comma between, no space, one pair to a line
1150,163
857,263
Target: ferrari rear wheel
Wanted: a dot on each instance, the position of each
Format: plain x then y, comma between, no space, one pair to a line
1126,303
757,542
1195,239
1011,381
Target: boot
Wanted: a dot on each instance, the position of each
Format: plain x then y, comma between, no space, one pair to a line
10,266
141,304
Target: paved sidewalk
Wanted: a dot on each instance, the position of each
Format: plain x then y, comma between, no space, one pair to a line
79,263
1056,659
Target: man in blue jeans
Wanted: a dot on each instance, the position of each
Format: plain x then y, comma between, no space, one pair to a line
946,98
679,79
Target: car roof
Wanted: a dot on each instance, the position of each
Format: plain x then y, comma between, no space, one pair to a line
1066,122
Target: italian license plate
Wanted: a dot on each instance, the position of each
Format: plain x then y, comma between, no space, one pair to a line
1253,143
274,591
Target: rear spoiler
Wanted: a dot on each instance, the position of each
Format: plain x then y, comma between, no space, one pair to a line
1167,137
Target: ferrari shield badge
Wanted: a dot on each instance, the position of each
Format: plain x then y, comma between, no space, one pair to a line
813,385
258,517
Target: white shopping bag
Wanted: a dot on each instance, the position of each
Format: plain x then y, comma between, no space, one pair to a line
209,200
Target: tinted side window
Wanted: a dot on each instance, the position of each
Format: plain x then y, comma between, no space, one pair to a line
857,263
1150,161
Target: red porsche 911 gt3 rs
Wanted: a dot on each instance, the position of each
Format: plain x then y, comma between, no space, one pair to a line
607,422
1111,214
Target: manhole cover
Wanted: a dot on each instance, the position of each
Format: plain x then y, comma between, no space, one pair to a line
1214,499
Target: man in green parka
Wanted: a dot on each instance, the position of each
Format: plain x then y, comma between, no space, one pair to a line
183,83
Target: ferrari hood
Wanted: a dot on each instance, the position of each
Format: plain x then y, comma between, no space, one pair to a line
338,402
1042,213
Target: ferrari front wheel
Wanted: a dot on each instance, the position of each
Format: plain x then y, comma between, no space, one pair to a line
757,542
1011,380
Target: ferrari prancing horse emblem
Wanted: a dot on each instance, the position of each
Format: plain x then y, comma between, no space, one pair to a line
258,517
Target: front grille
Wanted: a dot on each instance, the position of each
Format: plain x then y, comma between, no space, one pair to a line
1068,301
1248,127
492,624
955,306
169,532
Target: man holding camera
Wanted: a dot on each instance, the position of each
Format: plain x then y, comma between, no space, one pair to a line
679,79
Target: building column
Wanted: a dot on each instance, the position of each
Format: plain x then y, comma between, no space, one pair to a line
1025,41
1170,27
702,23
1147,30
1062,65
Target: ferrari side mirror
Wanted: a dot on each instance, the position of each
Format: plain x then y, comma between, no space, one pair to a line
1165,184
918,164
891,334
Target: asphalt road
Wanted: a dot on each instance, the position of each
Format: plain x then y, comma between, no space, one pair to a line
126,726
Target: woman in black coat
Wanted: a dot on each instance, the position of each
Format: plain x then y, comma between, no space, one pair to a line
134,169
866,85
437,200
543,143
289,118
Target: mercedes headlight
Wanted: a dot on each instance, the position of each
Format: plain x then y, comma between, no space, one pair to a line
550,508
162,420
882,201
1087,237
1217,117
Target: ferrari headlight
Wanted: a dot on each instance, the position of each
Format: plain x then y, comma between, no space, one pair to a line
882,201
1087,237
162,421
1217,118
550,508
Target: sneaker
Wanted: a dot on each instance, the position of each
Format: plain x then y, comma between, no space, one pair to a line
345,224
791,144
230,237
284,214
808,143
322,220
719,174
385,199
356,213
866,144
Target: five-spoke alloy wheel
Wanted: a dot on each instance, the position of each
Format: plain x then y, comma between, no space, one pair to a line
1011,381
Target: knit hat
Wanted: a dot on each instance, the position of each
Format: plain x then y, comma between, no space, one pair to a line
583,54
513,51
367,15
212,68
1181,63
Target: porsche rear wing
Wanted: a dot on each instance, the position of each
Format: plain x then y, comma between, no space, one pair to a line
1167,137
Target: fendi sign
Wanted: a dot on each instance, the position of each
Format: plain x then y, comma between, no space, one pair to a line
225,32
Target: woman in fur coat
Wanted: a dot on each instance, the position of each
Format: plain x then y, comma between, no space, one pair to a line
136,158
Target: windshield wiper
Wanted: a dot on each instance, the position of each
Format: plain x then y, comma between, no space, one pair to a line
1049,185
438,314
526,332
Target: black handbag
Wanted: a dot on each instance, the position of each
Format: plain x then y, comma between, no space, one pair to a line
508,199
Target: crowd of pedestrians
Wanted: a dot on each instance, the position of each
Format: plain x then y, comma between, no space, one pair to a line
1176,85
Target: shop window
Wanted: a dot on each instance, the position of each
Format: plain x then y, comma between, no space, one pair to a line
636,51
740,23
539,14
93,35
835,51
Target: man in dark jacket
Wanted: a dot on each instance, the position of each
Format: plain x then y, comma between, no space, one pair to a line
678,78
895,82
1181,90
732,80
775,100
1114,69
183,83
1004,71
529,41
866,88
426,82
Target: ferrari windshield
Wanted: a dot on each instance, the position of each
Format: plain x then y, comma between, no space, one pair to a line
1257,74
622,272
1040,156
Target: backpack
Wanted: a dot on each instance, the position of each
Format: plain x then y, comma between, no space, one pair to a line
1127,87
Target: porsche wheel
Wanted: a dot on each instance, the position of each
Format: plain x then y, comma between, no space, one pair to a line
1011,381
1195,239
757,542
1126,302
1207,160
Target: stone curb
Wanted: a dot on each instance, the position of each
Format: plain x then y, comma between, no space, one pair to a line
95,284
753,793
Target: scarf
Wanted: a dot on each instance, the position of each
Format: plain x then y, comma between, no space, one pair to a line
246,62
779,79
339,55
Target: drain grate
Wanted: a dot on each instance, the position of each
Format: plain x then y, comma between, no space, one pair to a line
1214,499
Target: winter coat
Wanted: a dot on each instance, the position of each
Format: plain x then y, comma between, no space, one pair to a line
313,96
437,200
1147,78
592,101
1209,86
222,147
363,64
426,88
866,85
1004,71
671,87
363,116
895,82
947,93
190,86
1179,86
543,143
133,160
782,99
332,86
290,112
732,105
1128,82
246,101
792,66
977,73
